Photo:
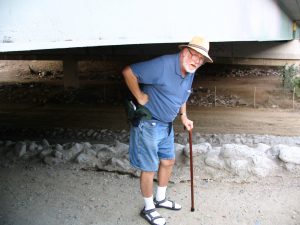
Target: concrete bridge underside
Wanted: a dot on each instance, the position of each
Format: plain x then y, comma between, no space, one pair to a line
256,32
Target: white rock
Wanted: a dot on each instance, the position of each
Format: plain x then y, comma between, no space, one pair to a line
238,167
90,132
236,151
71,153
91,152
20,149
121,148
98,147
198,149
85,159
275,150
262,147
106,153
39,148
290,154
122,164
212,159
86,145
95,134
262,166
179,156
45,152
261,161
178,147
59,147
45,143
237,141
32,146
217,149
58,154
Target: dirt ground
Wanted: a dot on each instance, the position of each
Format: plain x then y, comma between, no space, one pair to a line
206,120
37,194
34,193
35,100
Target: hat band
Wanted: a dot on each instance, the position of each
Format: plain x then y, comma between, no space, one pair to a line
198,46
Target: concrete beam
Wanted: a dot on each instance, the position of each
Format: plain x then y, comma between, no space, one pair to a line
255,62
71,79
281,50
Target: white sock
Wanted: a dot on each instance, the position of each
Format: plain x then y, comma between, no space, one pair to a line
149,204
161,193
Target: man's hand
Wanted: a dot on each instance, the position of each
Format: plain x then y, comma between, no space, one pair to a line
188,124
133,85
143,99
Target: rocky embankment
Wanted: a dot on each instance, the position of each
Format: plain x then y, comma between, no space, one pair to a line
219,157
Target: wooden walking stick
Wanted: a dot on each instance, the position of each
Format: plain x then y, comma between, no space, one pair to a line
191,170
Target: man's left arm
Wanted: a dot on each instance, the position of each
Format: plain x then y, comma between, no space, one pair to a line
188,124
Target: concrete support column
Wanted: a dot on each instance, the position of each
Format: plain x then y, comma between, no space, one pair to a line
71,78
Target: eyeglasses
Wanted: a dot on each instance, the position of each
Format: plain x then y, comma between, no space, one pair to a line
196,58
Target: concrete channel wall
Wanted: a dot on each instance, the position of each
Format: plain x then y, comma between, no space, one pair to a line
257,53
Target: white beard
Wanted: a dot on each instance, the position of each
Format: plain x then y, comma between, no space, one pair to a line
187,69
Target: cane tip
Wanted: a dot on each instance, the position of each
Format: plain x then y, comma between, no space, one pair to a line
192,209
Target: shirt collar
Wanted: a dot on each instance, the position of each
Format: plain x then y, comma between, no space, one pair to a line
178,70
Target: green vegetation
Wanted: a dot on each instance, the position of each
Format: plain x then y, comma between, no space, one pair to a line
291,78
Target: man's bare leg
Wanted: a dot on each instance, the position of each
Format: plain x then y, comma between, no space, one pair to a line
164,173
146,183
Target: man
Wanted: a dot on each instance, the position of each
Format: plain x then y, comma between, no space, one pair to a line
167,82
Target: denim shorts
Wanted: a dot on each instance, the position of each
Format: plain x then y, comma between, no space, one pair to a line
150,141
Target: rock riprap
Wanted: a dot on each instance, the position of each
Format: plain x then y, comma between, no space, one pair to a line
231,160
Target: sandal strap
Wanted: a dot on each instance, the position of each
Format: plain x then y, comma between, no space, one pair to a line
155,217
173,204
148,213
160,202
163,201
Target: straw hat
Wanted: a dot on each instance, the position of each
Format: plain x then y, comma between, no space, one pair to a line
199,44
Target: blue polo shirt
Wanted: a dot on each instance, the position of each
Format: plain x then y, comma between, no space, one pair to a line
163,82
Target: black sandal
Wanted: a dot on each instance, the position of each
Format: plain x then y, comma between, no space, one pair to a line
158,204
146,214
